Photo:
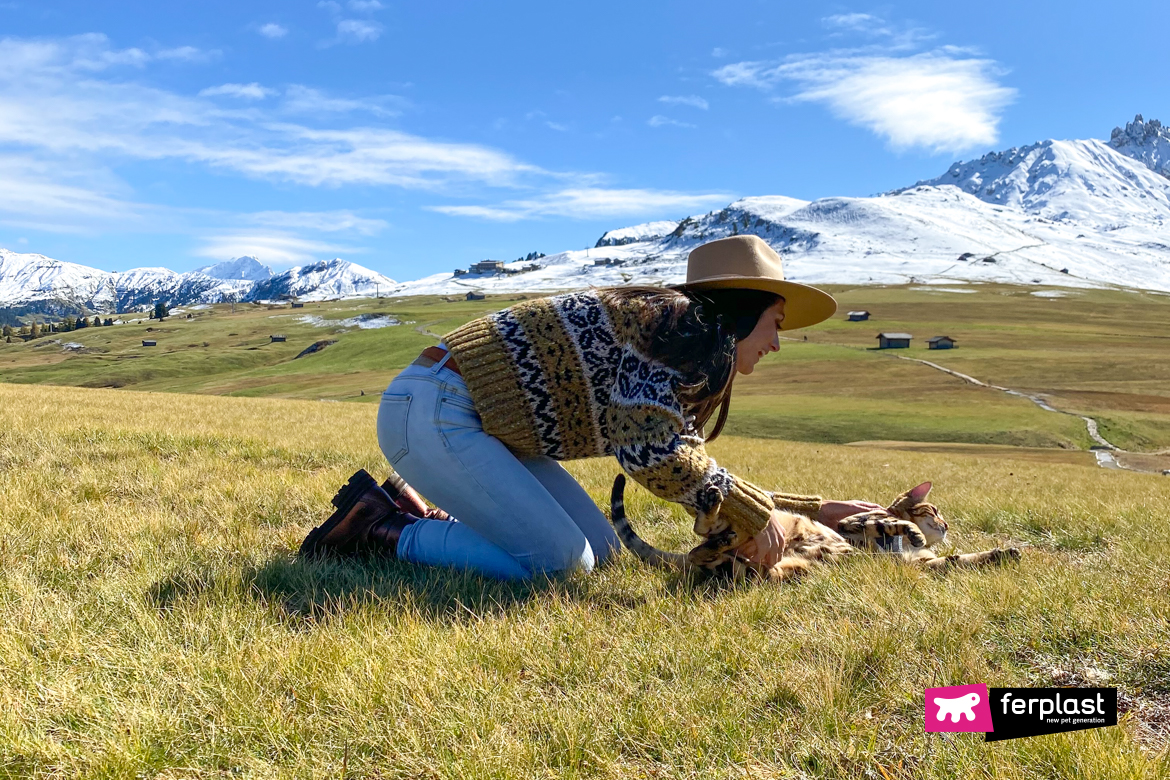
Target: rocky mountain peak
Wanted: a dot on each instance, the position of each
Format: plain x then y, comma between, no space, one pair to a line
1147,142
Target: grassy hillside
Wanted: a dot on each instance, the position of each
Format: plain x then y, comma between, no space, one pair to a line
156,623
1099,352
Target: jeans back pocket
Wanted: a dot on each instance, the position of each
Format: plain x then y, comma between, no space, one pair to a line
393,414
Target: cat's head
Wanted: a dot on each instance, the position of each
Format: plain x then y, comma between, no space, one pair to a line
912,506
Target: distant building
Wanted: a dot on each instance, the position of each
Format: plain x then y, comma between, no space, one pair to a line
475,296
608,261
277,338
858,316
149,343
940,342
487,267
298,305
460,272
894,340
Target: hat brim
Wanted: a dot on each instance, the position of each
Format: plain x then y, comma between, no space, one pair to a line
803,305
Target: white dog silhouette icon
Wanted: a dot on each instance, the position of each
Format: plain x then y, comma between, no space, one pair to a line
962,705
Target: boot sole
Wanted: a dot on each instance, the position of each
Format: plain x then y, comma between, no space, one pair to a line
345,499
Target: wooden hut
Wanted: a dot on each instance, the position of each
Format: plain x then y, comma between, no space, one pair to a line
298,305
149,343
276,338
940,342
858,316
475,296
894,340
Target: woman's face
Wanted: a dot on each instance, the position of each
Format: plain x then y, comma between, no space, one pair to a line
763,339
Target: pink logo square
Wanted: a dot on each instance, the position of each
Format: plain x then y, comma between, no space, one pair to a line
958,708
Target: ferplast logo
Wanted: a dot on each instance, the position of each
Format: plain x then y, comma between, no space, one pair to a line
1010,713
958,708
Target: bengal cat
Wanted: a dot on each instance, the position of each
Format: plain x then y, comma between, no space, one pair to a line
907,528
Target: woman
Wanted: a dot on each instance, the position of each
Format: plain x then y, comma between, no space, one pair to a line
479,423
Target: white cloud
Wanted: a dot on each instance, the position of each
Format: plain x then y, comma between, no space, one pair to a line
320,221
251,91
330,6
187,54
358,31
694,101
273,30
365,6
300,99
664,121
590,203
718,52
940,100
556,126
860,22
275,248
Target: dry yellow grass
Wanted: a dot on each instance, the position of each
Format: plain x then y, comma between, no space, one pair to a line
155,623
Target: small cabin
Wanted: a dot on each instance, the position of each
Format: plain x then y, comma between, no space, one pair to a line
858,316
460,272
298,305
940,342
608,261
894,340
149,343
276,338
487,267
475,296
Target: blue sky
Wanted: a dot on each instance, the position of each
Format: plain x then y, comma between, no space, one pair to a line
416,137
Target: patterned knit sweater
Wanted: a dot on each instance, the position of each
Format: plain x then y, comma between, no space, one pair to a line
569,377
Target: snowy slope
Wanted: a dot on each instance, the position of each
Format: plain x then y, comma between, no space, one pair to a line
32,278
645,232
335,278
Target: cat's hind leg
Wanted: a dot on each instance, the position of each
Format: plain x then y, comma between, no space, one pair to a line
985,558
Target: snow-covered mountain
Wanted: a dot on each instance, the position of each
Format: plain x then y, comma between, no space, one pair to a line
35,284
247,268
1068,213
335,278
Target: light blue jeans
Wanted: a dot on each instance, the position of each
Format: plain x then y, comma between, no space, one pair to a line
517,517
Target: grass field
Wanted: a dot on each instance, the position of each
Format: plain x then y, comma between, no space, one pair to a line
157,624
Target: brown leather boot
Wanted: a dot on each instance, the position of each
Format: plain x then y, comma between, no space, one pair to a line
408,499
361,505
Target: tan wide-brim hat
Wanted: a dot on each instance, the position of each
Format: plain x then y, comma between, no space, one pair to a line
747,262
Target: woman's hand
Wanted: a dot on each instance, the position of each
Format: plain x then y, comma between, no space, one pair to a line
766,547
833,512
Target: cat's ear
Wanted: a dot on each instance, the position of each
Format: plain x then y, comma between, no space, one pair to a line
918,494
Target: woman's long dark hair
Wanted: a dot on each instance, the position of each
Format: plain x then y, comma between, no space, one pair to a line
697,338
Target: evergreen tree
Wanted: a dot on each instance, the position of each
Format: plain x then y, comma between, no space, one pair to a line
97,321
35,330
68,324
7,332
109,321
160,311
82,322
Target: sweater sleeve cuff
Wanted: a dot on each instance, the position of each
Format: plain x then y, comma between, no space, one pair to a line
804,505
746,508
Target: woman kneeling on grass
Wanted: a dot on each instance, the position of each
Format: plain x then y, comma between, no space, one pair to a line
478,423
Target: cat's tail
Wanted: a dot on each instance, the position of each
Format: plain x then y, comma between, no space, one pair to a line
639,547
